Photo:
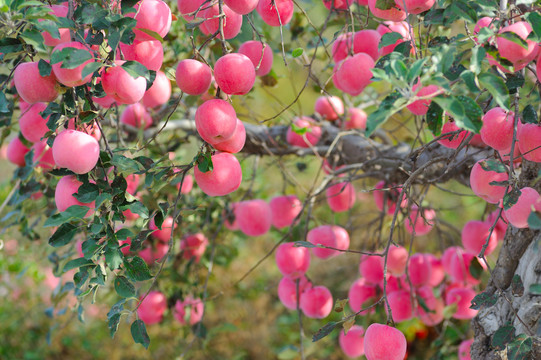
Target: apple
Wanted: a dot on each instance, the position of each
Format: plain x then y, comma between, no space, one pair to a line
475,234
76,151
152,308
323,235
352,343
121,86
316,302
497,130
16,151
394,13
253,217
382,342
360,293
63,195
31,86
232,22
33,126
287,291
153,15
72,77
193,246
275,12
190,311
215,120
149,53
353,74
284,210
259,57
136,115
223,179
159,93
234,74
329,107
292,261
193,77
309,138
480,180
518,214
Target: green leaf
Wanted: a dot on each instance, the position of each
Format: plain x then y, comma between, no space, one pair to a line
389,39
452,105
469,80
126,164
325,330
44,68
496,87
137,269
10,45
493,165
154,34
204,162
535,289
475,269
77,263
529,115
74,212
473,114
87,193
385,110
517,286
511,198
514,82
534,221
520,348
70,57
113,258
112,323
139,333
483,299
416,70
90,68
63,235
305,244
477,56
503,336
434,118
513,37
464,11
135,69
534,18
297,52
137,207
124,287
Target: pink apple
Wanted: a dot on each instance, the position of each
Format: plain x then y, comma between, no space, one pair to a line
361,65
242,7
193,246
151,309
223,179
435,306
232,21
33,126
341,197
216,120
420,223
382,342
352,343
497,130
234,74
329,107
437,273
292,261
31,86
371,268
16,151
475,234
360,293
342,237
259,57
43,155
420,107
284,210
63,195
193,77
58,11
356,119
275,12
400,303
393,13
253,217
452,141
519,56
401,28
163,234
367,41
419,270
190,311
76,151
149,53
518,214
322,235
186,7
415,6
159,93
480,180
388,197
462,297
529,137
153,15
137,116
154,253
72,77
316,302
464,350
311,137
287,291
397,259
501,225
121,86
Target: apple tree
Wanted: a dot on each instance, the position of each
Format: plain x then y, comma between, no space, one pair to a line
402,134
